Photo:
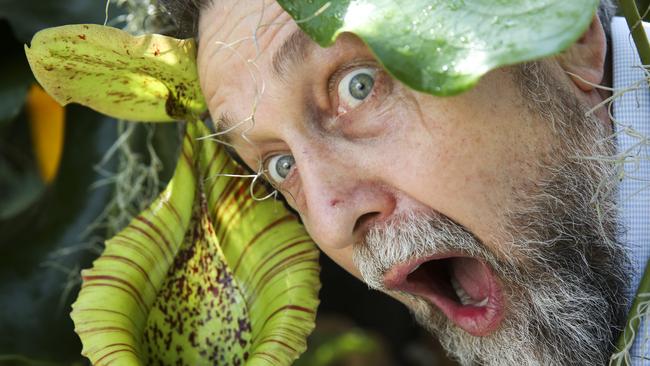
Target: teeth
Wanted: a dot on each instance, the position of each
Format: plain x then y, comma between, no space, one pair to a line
415,268
464,298
482,303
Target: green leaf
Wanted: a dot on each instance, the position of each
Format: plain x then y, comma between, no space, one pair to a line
39,276
271,255
206,275
444,47
144,78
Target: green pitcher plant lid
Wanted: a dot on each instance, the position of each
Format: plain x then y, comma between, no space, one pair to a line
208,274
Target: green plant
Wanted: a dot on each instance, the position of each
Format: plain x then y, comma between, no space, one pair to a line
444,47
206,262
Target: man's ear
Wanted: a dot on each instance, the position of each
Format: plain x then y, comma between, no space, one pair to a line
584,61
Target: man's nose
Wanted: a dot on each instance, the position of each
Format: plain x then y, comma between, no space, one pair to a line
341,202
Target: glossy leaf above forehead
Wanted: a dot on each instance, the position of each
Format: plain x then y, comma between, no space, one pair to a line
149,78
443,47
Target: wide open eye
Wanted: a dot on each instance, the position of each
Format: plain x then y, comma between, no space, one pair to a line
355,87
279,167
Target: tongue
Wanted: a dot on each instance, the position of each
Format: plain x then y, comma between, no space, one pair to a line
473,276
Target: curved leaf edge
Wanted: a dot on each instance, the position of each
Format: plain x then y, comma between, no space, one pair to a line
398,66
109,313
117,291
289,268
147,78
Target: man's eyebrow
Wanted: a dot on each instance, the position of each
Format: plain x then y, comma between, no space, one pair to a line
223,124
294,50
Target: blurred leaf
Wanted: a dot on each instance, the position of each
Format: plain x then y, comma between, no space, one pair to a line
206,275
43,248
644,9
444,47
47,124
21,360
145,78
13,91
16,76
335,349
20,183
30,16
20,187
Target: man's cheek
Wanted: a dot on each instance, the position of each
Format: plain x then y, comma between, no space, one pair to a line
343,257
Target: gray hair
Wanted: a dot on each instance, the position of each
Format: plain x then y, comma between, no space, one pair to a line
185,15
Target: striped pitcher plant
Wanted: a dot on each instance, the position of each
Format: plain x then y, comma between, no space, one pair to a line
207,274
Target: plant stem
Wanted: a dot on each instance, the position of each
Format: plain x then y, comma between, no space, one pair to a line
644,7
635,24
633,319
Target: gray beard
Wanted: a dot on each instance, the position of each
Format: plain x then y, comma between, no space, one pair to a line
565,276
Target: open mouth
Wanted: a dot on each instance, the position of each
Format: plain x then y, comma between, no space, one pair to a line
463,288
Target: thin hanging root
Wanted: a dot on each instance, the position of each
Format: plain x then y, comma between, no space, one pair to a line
108,4
622,161
260,88
233,176
623,357
136,183
73,279
252,69
228,130
260,26
317,13
274,193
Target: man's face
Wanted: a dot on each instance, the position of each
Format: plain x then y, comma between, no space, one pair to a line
428,199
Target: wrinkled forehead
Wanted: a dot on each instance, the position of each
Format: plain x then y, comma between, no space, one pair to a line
237,40
232,20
